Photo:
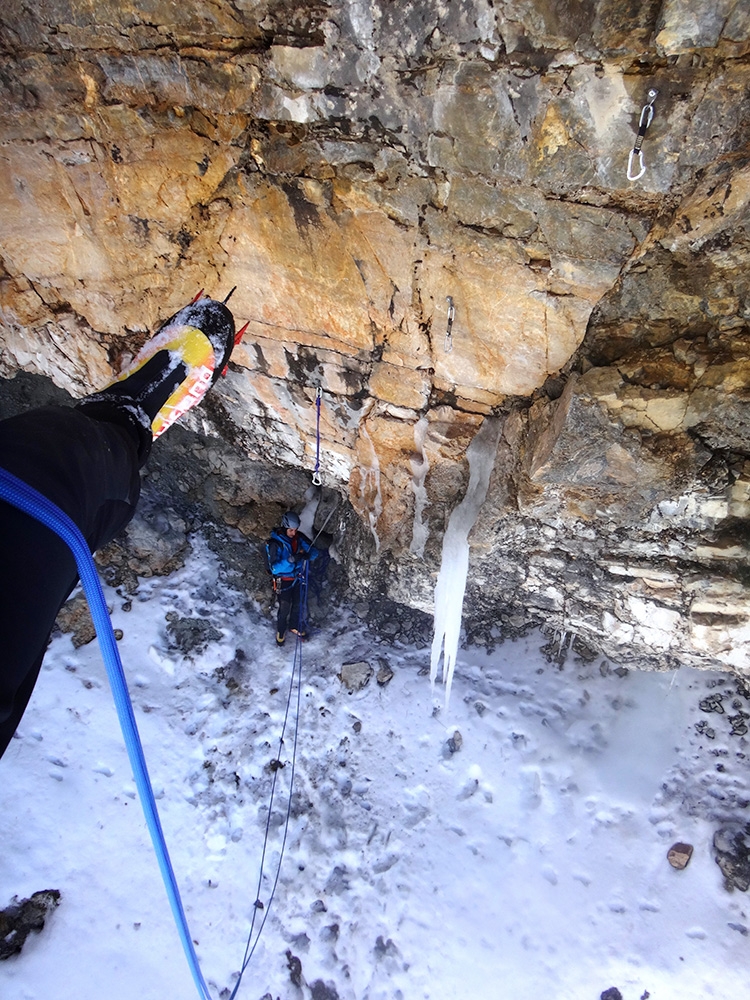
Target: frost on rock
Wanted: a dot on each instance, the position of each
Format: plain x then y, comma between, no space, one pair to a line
454,566
419,470
371,481
307,517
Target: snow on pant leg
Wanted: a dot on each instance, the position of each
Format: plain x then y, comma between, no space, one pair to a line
87,467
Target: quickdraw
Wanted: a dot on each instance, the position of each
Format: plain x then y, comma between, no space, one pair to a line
316,477
636,154
449,330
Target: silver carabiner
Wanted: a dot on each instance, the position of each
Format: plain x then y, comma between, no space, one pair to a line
647,116
449,332
633,154
647,112
316,477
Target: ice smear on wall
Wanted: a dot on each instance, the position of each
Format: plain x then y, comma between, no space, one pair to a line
419,470
454,567
307,517
371,482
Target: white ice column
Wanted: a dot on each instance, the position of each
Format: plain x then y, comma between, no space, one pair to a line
454,567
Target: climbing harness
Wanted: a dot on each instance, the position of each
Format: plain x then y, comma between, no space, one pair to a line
316,477
449,330
24,497
636,155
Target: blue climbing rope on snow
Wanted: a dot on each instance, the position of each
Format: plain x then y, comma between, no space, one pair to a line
19,494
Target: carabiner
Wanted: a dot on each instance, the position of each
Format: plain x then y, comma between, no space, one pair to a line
647,116
316,477
449,332
633,154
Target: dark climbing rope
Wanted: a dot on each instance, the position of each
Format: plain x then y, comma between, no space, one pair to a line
259,905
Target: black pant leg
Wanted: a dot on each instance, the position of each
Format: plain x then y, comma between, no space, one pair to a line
90,470
294,621
285,607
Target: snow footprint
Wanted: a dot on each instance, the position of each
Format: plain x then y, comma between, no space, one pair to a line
530,791
416,805
474,784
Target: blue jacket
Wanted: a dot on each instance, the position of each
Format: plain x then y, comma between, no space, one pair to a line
285,554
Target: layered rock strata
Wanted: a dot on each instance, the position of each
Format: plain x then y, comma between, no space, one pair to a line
358,169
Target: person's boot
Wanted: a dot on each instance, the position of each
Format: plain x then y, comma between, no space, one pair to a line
170,374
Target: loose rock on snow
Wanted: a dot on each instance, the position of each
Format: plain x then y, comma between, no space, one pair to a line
355,676
22,917
732,848
679,855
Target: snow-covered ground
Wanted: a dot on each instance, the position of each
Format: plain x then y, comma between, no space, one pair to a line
523,858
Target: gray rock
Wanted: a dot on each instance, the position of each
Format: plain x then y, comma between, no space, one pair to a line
732,855
22,917
191,635
679,855
385,673
355,676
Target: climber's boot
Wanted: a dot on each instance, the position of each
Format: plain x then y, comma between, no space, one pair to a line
171,373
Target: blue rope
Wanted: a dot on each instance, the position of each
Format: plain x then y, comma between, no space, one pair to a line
19,494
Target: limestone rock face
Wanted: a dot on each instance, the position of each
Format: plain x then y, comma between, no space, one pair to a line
425,209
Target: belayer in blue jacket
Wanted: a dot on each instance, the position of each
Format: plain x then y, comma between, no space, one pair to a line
287,551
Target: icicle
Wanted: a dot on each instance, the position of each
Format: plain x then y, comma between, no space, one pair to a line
371,481
307,517
419,470
454,567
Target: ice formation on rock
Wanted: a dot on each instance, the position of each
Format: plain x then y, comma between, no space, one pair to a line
371,482
454,567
